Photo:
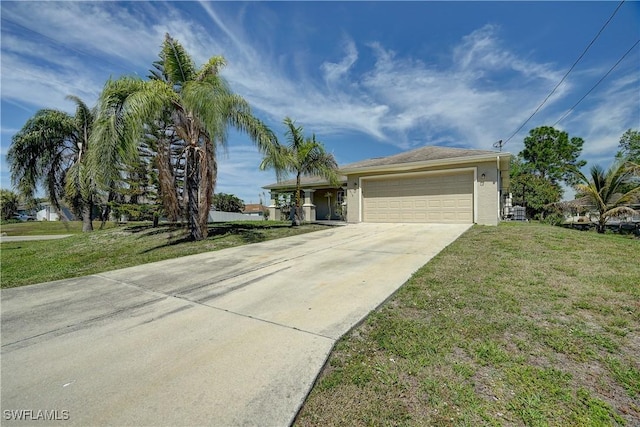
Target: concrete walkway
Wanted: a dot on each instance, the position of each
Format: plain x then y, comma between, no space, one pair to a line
233,337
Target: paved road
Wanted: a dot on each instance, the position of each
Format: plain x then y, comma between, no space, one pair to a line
233,337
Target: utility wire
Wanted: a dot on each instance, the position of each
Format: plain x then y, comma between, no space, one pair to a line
596,85
566,74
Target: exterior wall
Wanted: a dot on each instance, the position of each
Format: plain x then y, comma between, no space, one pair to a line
487,194
353,199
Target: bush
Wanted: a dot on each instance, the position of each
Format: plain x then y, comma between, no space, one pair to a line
553,219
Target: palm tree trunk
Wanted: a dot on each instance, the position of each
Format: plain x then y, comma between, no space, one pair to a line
208,173
87,217
192,181
106,211
167,181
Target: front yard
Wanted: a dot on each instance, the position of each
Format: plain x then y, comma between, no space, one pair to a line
25,263
520,324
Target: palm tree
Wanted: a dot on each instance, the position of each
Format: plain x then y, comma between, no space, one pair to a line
200,106
603,190
51,150
302,156
9,202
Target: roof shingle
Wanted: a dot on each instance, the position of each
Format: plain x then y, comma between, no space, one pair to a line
422,154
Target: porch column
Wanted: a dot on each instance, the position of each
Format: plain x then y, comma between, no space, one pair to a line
344,203
308,207
274,209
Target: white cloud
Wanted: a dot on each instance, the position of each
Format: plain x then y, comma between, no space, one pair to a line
335,71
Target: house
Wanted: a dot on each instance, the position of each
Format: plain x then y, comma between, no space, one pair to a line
254,209
47,213
428,184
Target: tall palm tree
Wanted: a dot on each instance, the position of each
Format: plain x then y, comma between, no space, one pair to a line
51,150
302,156
201,107
603,190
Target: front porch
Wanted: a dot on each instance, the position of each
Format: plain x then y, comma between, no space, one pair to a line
318,204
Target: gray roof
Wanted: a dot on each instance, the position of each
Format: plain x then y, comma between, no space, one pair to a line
306,181
422,154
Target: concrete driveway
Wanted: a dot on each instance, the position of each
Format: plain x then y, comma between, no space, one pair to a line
233,337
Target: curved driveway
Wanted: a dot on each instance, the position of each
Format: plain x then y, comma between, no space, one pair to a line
232,337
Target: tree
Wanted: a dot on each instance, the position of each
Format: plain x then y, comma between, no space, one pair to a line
629,146
302,156
629,149
552,155
9,202
532,190
51,150
603,189
227,203
200,107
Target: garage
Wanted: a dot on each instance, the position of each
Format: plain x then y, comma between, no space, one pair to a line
415,198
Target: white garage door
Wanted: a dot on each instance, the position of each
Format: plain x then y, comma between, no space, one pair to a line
444,198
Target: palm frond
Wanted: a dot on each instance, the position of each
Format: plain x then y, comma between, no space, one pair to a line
294,134
39,150
211,68
126,105
206,104
178,65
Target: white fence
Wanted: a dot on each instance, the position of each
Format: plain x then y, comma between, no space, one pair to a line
217,216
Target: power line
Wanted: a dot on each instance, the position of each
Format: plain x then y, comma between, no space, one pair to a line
596,85
566,74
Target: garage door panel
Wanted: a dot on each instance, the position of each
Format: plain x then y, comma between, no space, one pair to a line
426,198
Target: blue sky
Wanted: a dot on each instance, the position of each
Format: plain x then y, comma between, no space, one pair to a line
368,78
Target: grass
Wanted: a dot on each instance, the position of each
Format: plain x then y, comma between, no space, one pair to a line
516,325
28,262
40,228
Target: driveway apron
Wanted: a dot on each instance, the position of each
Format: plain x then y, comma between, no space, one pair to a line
232,337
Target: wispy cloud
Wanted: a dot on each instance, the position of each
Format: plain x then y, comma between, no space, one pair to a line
480,93
335,71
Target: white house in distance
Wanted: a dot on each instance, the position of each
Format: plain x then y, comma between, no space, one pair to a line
47,213
430,184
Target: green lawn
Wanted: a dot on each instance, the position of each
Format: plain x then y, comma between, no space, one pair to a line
521,324
40,228
28,262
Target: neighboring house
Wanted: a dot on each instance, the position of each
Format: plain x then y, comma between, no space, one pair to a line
48,213
429,185
255,209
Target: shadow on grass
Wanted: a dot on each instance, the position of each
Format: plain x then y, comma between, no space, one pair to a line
251,232
150,230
